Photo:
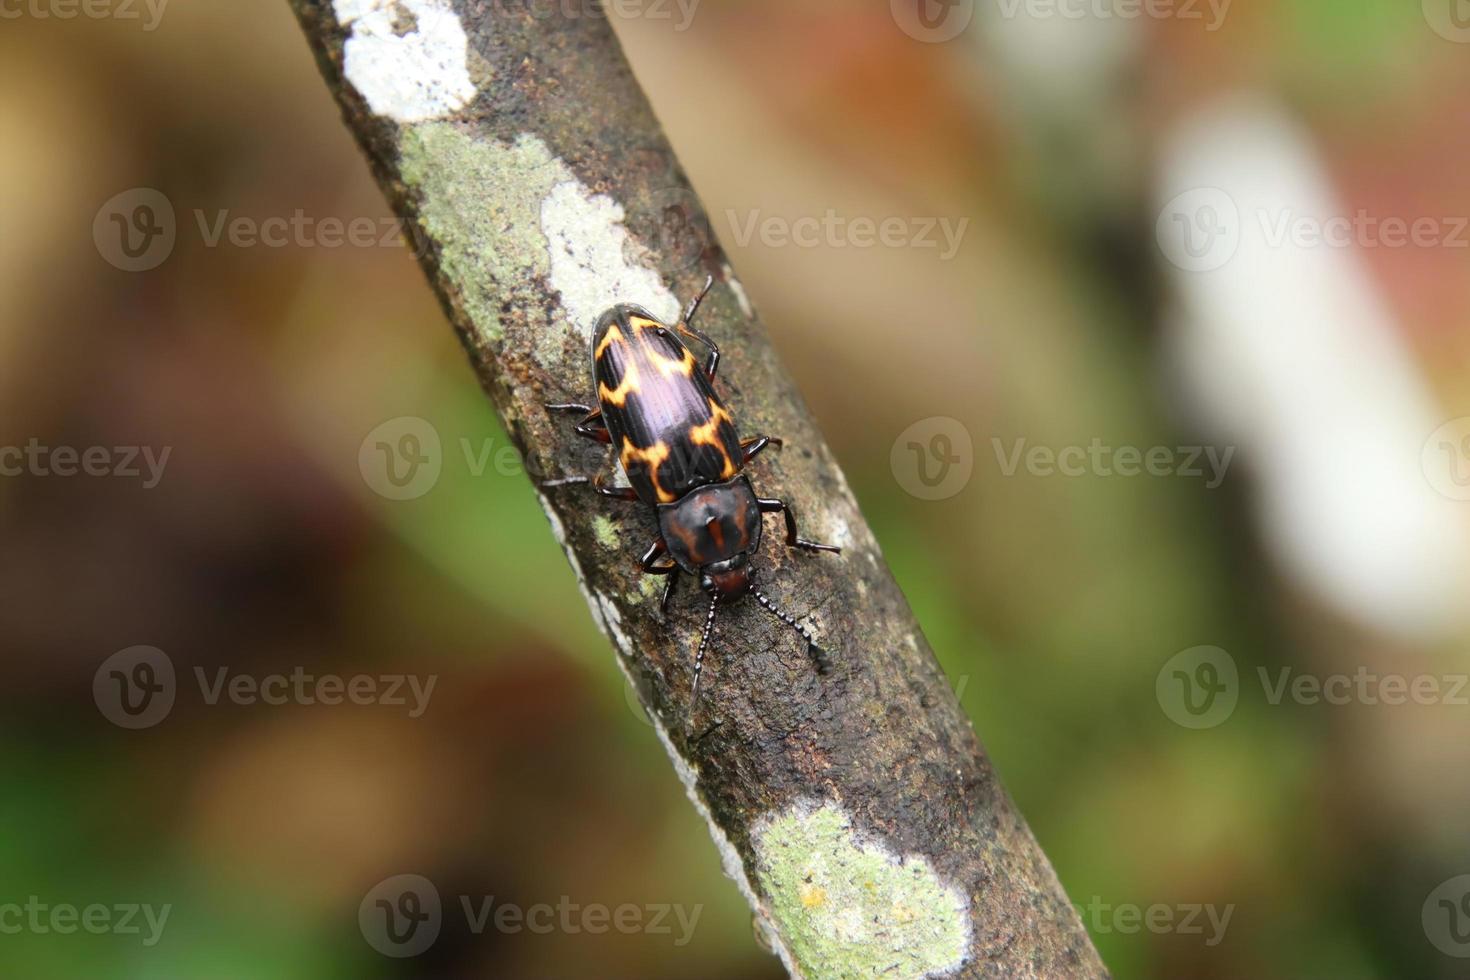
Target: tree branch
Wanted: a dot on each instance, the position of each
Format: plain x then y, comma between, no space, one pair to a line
854,808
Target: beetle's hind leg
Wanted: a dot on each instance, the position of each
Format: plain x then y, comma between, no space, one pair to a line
770,505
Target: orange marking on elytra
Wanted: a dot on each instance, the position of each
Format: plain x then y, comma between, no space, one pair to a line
651,457
613,336
708,434
619,396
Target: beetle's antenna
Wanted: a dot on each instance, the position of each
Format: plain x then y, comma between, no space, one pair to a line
709,624
817,653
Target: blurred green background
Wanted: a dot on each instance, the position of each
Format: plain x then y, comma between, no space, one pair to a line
1322,837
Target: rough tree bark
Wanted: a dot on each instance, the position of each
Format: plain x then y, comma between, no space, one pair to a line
855,809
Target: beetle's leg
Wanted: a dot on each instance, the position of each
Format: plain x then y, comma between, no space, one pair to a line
693,307
771,506
649,563
592,427
686,327
751,447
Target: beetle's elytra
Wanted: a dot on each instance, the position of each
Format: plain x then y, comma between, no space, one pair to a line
677,444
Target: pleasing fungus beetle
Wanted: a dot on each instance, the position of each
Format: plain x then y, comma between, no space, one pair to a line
677,444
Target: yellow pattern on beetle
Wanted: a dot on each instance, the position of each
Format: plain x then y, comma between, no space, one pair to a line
668,368
613,336
651,457
619,396
708,434
640,350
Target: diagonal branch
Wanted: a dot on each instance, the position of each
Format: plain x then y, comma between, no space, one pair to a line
854,808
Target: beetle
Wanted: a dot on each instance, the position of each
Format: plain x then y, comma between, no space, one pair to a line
676,442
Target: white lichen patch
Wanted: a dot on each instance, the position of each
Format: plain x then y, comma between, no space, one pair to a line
594,262
408,58
849,907
741,297
480,201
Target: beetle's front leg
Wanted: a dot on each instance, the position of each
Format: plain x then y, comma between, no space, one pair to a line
649,564
770,505
686,327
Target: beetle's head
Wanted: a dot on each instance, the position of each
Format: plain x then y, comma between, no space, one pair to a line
728,580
